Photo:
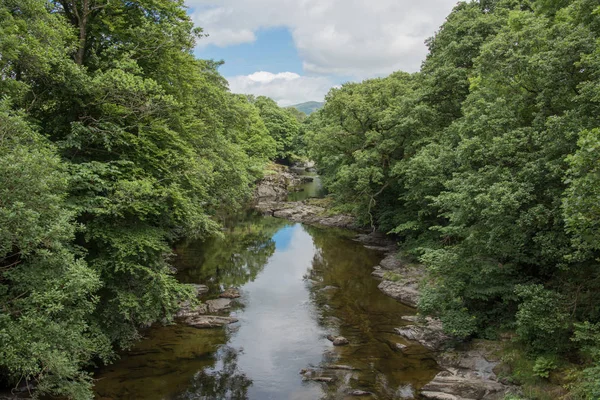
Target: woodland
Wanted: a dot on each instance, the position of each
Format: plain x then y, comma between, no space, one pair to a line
116,142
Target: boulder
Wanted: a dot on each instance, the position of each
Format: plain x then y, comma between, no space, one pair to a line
231,293
218,305
338,340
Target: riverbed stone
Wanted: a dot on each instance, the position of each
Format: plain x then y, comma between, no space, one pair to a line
338,340
360,393
209,321
231,293
341,367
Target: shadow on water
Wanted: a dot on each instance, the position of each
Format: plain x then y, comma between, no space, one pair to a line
298,285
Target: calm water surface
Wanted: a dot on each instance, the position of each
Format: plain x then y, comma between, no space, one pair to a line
309,189
298,285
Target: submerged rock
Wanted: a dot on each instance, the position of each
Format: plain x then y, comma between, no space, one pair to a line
209,321
341,367
306,179
338,340
360,393
309,374
231,293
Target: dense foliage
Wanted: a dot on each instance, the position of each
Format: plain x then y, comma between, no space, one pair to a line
114,142
486,163
283,125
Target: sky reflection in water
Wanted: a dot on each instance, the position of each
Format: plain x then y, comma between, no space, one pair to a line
298,284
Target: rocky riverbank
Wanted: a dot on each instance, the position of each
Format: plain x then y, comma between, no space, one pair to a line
271,199
468,369
212,313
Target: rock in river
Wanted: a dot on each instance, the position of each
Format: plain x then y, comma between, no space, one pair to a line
360,393
231,293
338,340
209,321
218,305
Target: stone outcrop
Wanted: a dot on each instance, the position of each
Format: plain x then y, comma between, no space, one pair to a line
271,194
428,332
468,375
197,314
218,305
468,372
399,279
231,293
274,186
301,211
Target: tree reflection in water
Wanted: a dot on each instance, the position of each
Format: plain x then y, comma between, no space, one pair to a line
231,260
224,381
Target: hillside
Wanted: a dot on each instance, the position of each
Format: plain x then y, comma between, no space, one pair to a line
309,107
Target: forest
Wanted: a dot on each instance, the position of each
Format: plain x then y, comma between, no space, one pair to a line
486,164
116,142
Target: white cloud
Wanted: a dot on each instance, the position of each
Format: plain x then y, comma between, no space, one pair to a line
358,38
286,88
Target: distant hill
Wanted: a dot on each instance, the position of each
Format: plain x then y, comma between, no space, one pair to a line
309,107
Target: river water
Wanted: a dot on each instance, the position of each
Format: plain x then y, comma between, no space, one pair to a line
298,285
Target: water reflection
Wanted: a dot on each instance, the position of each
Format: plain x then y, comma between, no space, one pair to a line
223,381
308,190
298,284
233,259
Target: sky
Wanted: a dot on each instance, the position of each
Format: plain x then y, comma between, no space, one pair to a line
296,50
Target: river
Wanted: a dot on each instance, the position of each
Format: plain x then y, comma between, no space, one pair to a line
298,285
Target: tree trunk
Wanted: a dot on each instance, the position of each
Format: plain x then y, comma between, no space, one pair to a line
82,21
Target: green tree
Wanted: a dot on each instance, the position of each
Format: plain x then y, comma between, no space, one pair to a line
282,124
47,292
